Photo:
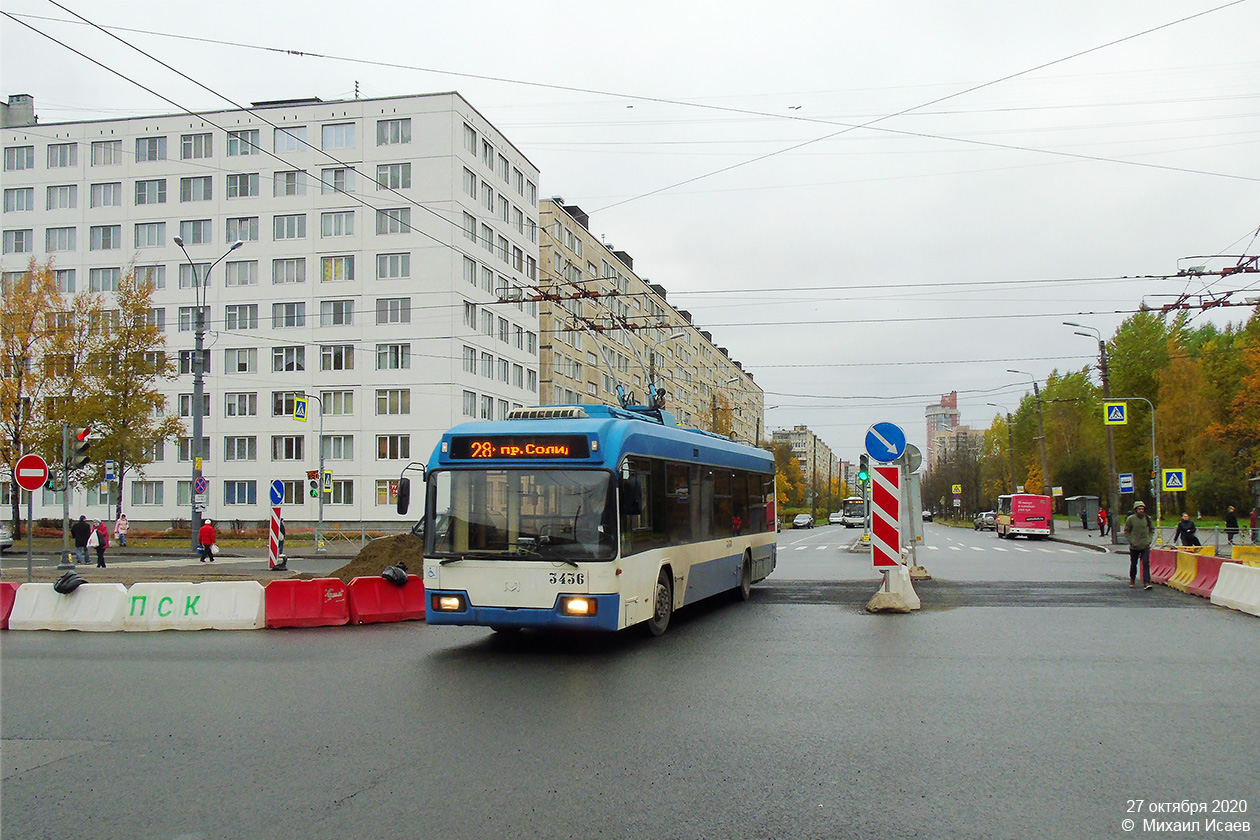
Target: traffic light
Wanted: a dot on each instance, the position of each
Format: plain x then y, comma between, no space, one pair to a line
79,445
312,483
864,469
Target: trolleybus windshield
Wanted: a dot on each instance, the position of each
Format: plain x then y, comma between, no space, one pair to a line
550,514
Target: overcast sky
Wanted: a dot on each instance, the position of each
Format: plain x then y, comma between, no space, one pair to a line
1014,161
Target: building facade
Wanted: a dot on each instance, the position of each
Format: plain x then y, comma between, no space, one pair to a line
818,462
941,417
381,239
604,325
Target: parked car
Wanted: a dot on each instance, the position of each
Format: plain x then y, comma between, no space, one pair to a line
6,537
986,521
836,518
803,520
927,516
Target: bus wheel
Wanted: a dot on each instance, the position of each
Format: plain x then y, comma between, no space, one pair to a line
663,605
745,578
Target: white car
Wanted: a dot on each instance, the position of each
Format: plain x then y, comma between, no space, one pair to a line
6,537
836,518
803,520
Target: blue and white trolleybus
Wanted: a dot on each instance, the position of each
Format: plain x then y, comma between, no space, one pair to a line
590,518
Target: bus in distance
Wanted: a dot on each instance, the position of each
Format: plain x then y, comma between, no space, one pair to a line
1023,515
854,512
590,518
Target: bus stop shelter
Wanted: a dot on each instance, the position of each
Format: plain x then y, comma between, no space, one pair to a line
1088,504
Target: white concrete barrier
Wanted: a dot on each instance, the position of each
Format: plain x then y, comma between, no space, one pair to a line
92,607
899,583
222,605
1237,587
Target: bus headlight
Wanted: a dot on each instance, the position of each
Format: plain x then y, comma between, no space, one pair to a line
577,605
447,603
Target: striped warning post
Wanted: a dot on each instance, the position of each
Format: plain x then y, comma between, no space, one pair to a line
886,517
273,540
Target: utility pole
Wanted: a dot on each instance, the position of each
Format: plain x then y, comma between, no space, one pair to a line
813,478
1041,428
1113,477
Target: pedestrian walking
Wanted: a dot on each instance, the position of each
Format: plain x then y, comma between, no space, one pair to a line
1140,531
1102,522
81,531
101,532
205,542
120,530
1231,524
1084,521
1185,531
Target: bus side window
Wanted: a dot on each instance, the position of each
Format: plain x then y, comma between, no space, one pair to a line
631,497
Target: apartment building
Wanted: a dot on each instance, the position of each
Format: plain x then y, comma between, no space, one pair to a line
380,239
942,416
587,349
818,462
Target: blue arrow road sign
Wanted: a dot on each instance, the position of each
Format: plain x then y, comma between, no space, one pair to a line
277,492
1126,482
885,441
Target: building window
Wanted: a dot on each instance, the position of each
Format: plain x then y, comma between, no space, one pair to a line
186,359
242,185
339,223
186,404
19,241
287,447
393,401
470,359
393,356
241,273
65,279
336,357
242,492
151,234
487,237
393,176
470,404
17,158
195,232
393,132
62,155
103,279
336,269
338,447
193,146
240,448
146,493
240,316
150,149
487,365
151,192
105,237
487,407
337,136
387,491
337,402
339,179
342,492
59,239
393,266
470,139
240,360
291,139
240,404
336,313
470,315
244,228
393,311
393,447
62,197
289,182
393,221
288,359
470,227
288,271
285,315
243,142
487,323
289,227
283,403
199,188
19,200
189,275
106,152
105,195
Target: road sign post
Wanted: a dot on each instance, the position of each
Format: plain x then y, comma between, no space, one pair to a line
31,472
273,540
886,517
885,442
1126,483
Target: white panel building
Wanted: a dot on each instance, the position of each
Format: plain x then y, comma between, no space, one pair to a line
379,235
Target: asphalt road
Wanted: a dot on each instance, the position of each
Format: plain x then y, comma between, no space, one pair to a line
794,715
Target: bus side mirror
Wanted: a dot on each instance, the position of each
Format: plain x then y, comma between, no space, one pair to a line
404,495
631,499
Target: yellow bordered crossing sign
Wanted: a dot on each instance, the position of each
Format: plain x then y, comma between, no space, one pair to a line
1115,413
1174,481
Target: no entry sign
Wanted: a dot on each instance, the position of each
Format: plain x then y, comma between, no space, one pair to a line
31,471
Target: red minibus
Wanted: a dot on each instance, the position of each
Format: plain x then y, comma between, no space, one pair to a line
1023,514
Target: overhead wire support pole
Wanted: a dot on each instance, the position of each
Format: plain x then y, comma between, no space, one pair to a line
1113,478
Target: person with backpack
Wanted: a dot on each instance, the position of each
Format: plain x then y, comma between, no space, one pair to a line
101,532
1141,533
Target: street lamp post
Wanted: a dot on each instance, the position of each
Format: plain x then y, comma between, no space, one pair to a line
198,368
1010,444
1113,489
319,507
1155,488
1041,428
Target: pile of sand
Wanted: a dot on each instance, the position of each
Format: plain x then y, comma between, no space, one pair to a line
379,554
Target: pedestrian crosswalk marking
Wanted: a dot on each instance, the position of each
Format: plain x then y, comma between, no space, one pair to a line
801,547
823,547
998,548
955,548
1017,548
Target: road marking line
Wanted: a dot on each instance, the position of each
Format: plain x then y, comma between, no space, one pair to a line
1069,550
823,547
1017,548
998,548
801,547
955,548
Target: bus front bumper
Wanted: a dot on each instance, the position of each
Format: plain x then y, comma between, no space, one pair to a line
605,618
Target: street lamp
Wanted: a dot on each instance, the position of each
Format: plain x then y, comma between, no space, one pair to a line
198,368
1041,428
1010,443
1113,490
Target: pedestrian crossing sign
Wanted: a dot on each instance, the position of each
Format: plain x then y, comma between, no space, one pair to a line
299,409
1174,481
1115,414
